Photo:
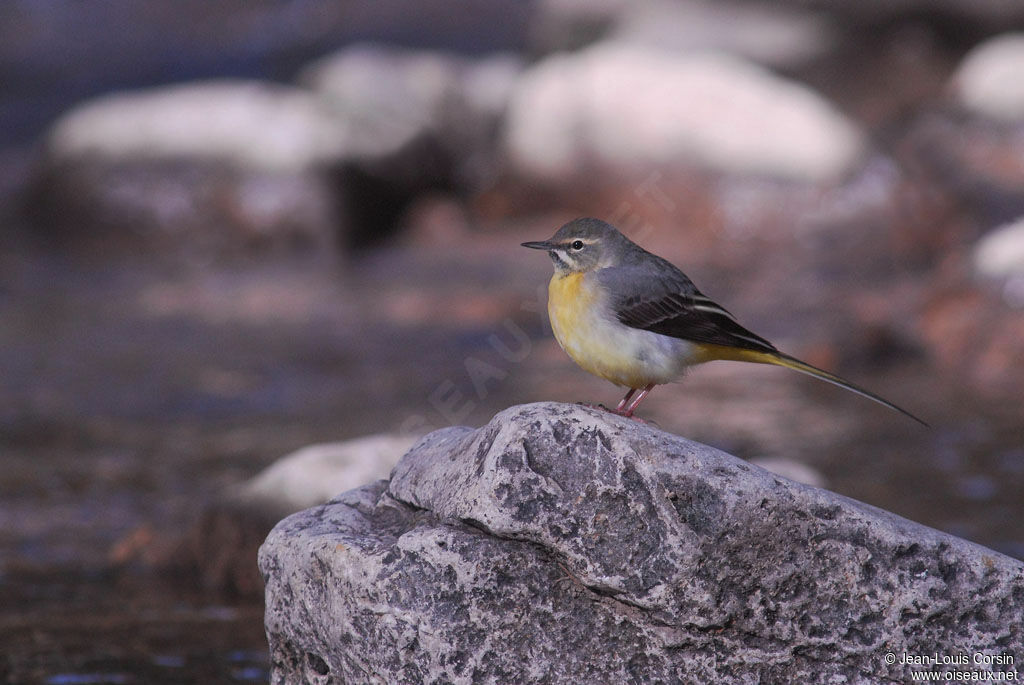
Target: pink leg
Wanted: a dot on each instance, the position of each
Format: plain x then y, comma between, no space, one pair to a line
639,398
625,400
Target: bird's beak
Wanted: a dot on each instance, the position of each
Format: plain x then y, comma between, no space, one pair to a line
540,245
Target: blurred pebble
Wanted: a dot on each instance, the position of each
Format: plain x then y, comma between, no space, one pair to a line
793,470
989,80
1000,253
315,474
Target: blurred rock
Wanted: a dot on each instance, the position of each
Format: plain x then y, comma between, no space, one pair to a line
203,169
220,550
977,152
383,98
793,470
974,161
217,168
1000,253
975,337
315,474
568,25
413,121
246,124
622,107
777,36
767,34
988,81
563,544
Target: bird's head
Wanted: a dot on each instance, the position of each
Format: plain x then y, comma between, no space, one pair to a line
583,245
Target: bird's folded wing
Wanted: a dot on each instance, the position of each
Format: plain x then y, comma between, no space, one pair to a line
669,304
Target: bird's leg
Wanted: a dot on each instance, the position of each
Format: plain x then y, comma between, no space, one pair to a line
639,398
622,404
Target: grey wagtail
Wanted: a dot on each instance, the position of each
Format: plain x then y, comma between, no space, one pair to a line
634,319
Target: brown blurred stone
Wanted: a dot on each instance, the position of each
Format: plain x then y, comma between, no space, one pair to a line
978,162
435,220
973,335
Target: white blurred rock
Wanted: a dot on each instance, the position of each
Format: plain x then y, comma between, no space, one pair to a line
250,125
767,34
1001,252
315,474
793,470
385,98
990,79
626,106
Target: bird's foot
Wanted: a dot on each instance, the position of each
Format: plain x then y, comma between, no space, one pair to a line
619,412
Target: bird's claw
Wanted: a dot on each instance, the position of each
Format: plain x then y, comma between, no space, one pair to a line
618,412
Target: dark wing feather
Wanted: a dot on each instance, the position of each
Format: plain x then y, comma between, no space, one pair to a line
663,300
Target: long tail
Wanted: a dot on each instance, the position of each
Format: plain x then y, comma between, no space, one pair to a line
780,359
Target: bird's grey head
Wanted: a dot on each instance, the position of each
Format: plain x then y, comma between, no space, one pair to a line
584,245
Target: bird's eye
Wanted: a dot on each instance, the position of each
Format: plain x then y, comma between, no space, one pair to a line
577,245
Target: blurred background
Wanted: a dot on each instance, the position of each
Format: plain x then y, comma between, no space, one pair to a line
231,231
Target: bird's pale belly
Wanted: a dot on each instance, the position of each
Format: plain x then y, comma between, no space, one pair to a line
588,331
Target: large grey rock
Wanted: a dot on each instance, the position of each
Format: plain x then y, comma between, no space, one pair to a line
564,544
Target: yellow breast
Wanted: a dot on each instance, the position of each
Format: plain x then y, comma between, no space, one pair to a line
589,332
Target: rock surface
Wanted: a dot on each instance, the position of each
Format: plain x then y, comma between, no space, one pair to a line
564,544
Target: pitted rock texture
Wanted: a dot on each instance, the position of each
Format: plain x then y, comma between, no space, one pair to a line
561,544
